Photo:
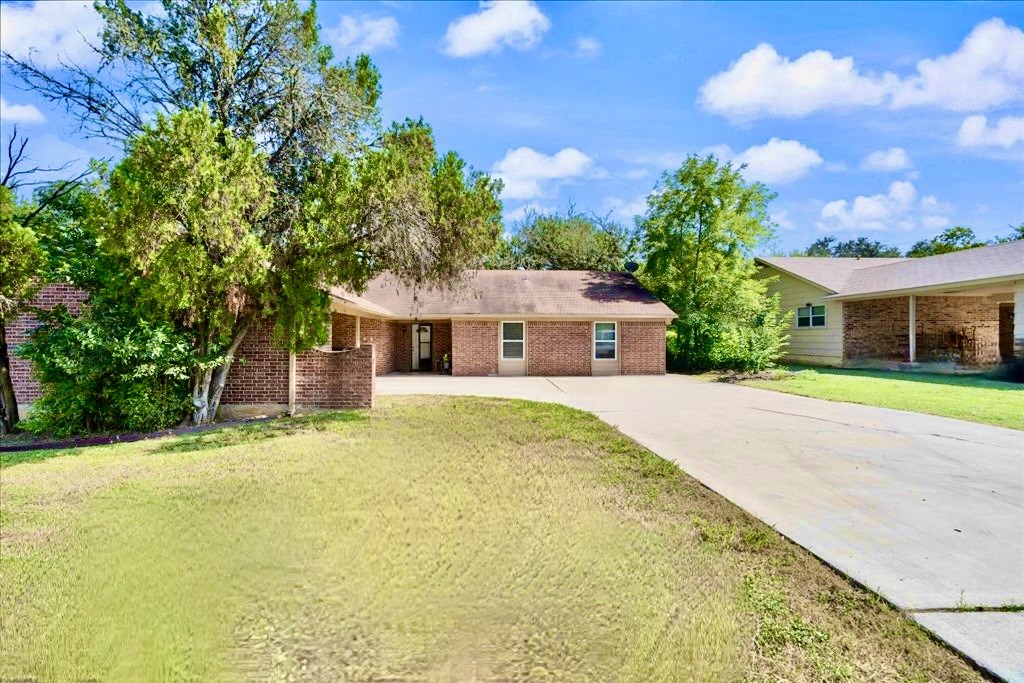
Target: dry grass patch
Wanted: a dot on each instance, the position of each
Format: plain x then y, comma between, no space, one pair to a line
434,539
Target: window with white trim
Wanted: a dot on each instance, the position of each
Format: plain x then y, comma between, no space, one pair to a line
606,341
513,341
810,316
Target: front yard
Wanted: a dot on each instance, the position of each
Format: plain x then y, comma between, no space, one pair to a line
964,397
434,539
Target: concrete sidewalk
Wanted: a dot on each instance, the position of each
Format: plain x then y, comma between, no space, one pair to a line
927,511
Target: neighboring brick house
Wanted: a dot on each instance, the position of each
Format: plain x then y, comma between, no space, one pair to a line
509,322
495,323
963,309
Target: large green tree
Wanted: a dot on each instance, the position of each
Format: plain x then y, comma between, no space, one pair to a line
564,241
957,238
309,184
858,247
702,225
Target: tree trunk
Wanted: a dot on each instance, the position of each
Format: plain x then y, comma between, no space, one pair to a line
208,385
8,402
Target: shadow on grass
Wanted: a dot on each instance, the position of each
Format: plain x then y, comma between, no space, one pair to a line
12,458
976,381
233,436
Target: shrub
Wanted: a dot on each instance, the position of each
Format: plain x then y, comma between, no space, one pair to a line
106,371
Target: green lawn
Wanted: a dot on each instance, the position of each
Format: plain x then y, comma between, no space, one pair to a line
433,539
964,397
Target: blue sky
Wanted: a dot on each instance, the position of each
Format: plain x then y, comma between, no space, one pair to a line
892,120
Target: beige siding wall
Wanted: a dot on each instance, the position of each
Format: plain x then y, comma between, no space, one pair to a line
816,346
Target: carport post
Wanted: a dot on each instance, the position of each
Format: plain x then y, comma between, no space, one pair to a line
1018,319
913,328
357,331
291,383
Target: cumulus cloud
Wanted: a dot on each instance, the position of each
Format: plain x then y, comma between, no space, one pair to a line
776,162
498,24
987,70
363,33
529,174
20,113
892,159
896,209
764,83
976,132
50,31
588,47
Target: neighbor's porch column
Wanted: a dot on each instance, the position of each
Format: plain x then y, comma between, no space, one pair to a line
913,328
1018,319
357,331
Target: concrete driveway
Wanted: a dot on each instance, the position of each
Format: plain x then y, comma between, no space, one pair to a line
927,511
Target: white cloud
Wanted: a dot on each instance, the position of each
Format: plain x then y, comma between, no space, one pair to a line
897,209
527,173
783,219
363,33
987,70
588,47
892,159
626,210
20,113
776,162
763,83
498,24
50,31
975,132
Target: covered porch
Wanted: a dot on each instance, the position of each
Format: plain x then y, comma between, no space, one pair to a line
963,329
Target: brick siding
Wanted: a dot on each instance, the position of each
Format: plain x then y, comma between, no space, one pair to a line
642,347
26,388
335,379
558,347
878,329
474,347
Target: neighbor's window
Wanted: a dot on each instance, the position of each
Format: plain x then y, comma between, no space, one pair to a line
513,341
605,340
810,316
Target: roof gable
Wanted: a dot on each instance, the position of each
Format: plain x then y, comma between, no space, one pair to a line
829,273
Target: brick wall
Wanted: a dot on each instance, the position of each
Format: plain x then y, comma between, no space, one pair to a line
558,347
26,388
975,318
642,347
878,329
474,347
442,343
260,371
381,333
323,379
335,379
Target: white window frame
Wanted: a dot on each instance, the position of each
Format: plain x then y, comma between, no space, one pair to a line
594,340
811,316
502,340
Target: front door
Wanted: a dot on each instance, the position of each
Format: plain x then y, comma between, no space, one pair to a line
422,347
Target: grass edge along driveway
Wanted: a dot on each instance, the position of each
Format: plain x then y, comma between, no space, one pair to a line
432,539
964,397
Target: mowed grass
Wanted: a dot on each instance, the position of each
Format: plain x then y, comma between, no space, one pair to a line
972,398
433,539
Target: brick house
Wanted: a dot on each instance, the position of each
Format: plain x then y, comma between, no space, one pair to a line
495,323
957,310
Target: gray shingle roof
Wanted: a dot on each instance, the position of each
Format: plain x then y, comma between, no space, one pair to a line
860,277
527,293
827,272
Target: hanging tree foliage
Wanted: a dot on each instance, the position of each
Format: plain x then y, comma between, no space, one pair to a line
288,183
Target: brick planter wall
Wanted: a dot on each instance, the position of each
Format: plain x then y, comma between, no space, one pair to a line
26,388
323,379
558,347
878,329
474,347
642,347
335,379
